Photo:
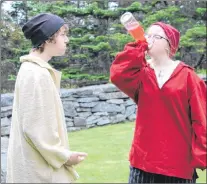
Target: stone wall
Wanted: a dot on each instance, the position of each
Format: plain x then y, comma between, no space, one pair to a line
84,108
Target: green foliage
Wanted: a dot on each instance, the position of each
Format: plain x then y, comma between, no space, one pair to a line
135,6
85,76
101,38
180,20
79,56
97,48
164,15
83,39
12,78
195,37
119,40
77,31
62,9
69,73
117,26
92,40
201,71
100,13
201,11
196,32
19,51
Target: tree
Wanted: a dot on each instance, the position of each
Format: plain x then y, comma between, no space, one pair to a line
96,34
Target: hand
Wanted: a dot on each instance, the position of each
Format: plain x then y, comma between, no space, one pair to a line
76,157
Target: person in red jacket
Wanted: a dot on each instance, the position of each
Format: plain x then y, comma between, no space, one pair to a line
170,133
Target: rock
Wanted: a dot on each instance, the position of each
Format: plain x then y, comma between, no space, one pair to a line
112,113
132,117
90,125
110,89
84,114
129,102
91,104
3,167
69,99
117,118
5,122
69,122
111,30
123,109
130,110
69,110
68,119
92,21
6,111
83,109
7,99
4,144
86,96
72,129
5,131
114,95
91,120
103,121
83,93
74,104
115,101
106,107
66,93
79,122
87,100
101,114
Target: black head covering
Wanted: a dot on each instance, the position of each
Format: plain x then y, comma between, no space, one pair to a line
41,27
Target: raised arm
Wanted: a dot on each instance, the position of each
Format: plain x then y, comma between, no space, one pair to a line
126,69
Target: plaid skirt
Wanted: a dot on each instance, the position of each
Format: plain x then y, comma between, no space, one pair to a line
140,176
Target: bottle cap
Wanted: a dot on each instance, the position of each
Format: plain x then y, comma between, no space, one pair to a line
127,17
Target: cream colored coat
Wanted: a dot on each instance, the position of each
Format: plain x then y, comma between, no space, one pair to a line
38,144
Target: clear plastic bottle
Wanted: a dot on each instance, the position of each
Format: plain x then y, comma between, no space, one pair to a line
132,26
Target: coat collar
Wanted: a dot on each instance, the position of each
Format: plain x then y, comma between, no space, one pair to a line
56,75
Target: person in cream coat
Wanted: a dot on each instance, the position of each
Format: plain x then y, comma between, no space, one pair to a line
38,149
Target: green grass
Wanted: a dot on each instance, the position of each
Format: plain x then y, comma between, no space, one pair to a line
107,149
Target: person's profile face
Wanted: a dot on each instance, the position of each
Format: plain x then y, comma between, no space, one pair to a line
59,45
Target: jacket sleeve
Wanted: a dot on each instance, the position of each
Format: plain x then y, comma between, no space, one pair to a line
125,69
198,118
39,119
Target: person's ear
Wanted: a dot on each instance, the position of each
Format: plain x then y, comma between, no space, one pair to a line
47,42
168,51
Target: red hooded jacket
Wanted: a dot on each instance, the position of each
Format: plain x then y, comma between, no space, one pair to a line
170,131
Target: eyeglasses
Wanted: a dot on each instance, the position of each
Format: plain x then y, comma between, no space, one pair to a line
156,37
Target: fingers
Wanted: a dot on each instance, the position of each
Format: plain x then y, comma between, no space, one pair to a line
82,154
76,158
80,159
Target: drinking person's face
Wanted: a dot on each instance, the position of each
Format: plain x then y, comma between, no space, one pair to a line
157,40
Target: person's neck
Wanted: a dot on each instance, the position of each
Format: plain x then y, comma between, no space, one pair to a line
161,61
44,56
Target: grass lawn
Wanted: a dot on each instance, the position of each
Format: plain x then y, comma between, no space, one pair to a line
107,149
